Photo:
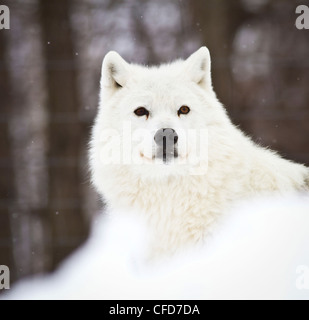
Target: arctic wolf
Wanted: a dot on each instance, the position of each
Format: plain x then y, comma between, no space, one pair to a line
164,146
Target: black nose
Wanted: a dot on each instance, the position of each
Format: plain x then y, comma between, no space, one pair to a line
166,137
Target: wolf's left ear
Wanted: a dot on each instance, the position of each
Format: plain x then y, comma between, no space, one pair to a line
115,71
198,67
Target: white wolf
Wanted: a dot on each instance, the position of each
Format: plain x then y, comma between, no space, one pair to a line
144,157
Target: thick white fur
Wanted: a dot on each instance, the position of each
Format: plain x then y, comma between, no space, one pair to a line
180,207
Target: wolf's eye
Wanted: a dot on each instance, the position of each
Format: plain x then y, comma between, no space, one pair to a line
140,112
183,110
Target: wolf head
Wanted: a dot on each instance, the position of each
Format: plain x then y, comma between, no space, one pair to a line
154,121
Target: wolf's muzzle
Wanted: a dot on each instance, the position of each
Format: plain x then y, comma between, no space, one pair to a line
166,140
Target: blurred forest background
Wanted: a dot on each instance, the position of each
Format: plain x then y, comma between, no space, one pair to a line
50,63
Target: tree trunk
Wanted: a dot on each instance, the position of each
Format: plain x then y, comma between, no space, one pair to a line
218,22
64,210
6,163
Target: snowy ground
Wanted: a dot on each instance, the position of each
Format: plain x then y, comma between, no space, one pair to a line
261,251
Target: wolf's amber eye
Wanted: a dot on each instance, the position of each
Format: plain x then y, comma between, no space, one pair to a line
183,110
140,112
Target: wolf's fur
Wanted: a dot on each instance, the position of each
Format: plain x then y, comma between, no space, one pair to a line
180,207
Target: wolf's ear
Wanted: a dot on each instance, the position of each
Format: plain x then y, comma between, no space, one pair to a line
115,71
198,67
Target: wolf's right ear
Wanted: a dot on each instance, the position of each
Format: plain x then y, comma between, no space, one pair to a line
115,71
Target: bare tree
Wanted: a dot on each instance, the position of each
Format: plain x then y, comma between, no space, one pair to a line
6,167
68,224
218,20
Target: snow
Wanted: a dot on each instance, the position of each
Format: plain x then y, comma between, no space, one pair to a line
260,251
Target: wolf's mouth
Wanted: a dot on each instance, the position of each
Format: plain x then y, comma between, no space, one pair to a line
164,156
150,160
167,156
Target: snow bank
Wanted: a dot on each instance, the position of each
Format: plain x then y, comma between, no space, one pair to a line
260,251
